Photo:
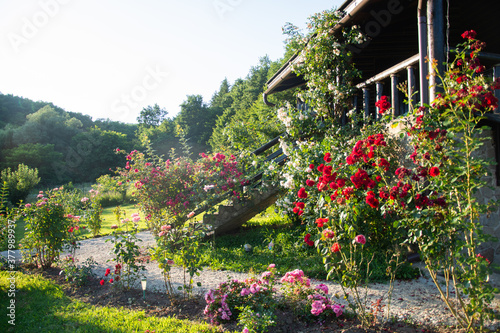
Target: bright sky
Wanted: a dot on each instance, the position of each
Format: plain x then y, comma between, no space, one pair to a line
111,58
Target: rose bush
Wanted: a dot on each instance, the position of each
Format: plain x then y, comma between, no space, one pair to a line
357,191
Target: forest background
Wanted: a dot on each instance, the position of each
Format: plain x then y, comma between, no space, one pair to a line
65,146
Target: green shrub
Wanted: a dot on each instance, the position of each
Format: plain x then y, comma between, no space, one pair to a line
20,182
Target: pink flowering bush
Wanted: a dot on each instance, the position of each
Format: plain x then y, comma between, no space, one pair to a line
169,190
307,300
253,301
47,229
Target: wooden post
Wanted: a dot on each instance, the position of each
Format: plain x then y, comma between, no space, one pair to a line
436,24
355,101
395,95
422,50
380,91
411,87
366,103
496,75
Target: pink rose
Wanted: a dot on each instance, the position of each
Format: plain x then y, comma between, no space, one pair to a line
360,239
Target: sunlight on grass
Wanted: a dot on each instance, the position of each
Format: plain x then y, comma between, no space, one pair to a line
41,306
108,218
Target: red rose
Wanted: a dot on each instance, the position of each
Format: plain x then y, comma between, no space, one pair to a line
102,282
310,182
335,247
471,34
383,104
327,158
321,222
434,172
371,200
302,193
308,241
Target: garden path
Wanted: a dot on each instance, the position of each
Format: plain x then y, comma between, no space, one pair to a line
416,300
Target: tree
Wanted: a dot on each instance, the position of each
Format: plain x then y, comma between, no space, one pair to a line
94,154
222,99
35,155
48,125
19,182
152,116
196,121
247,130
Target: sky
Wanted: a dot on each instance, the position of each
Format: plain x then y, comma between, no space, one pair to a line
110,58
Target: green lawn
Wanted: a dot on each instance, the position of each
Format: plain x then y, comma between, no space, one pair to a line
108,218
41,306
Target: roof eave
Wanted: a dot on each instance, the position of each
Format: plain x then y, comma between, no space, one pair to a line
350,8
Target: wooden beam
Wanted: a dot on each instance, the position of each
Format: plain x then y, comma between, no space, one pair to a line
392,70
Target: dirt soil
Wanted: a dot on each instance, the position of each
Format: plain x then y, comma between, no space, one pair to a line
159,305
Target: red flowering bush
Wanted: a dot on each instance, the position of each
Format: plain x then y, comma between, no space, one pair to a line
370,194
383,104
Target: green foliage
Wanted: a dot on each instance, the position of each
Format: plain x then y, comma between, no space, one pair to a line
352,183
151,116
248,130
255,321
95,153
8,225
244,122
19,182
46,308
197,121
77,275
184,243
110,191
125,249
326,64
47,229
34,155
92,211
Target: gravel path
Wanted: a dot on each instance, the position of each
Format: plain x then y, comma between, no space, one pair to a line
417,300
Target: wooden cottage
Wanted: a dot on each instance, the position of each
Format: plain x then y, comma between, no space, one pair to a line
401,34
